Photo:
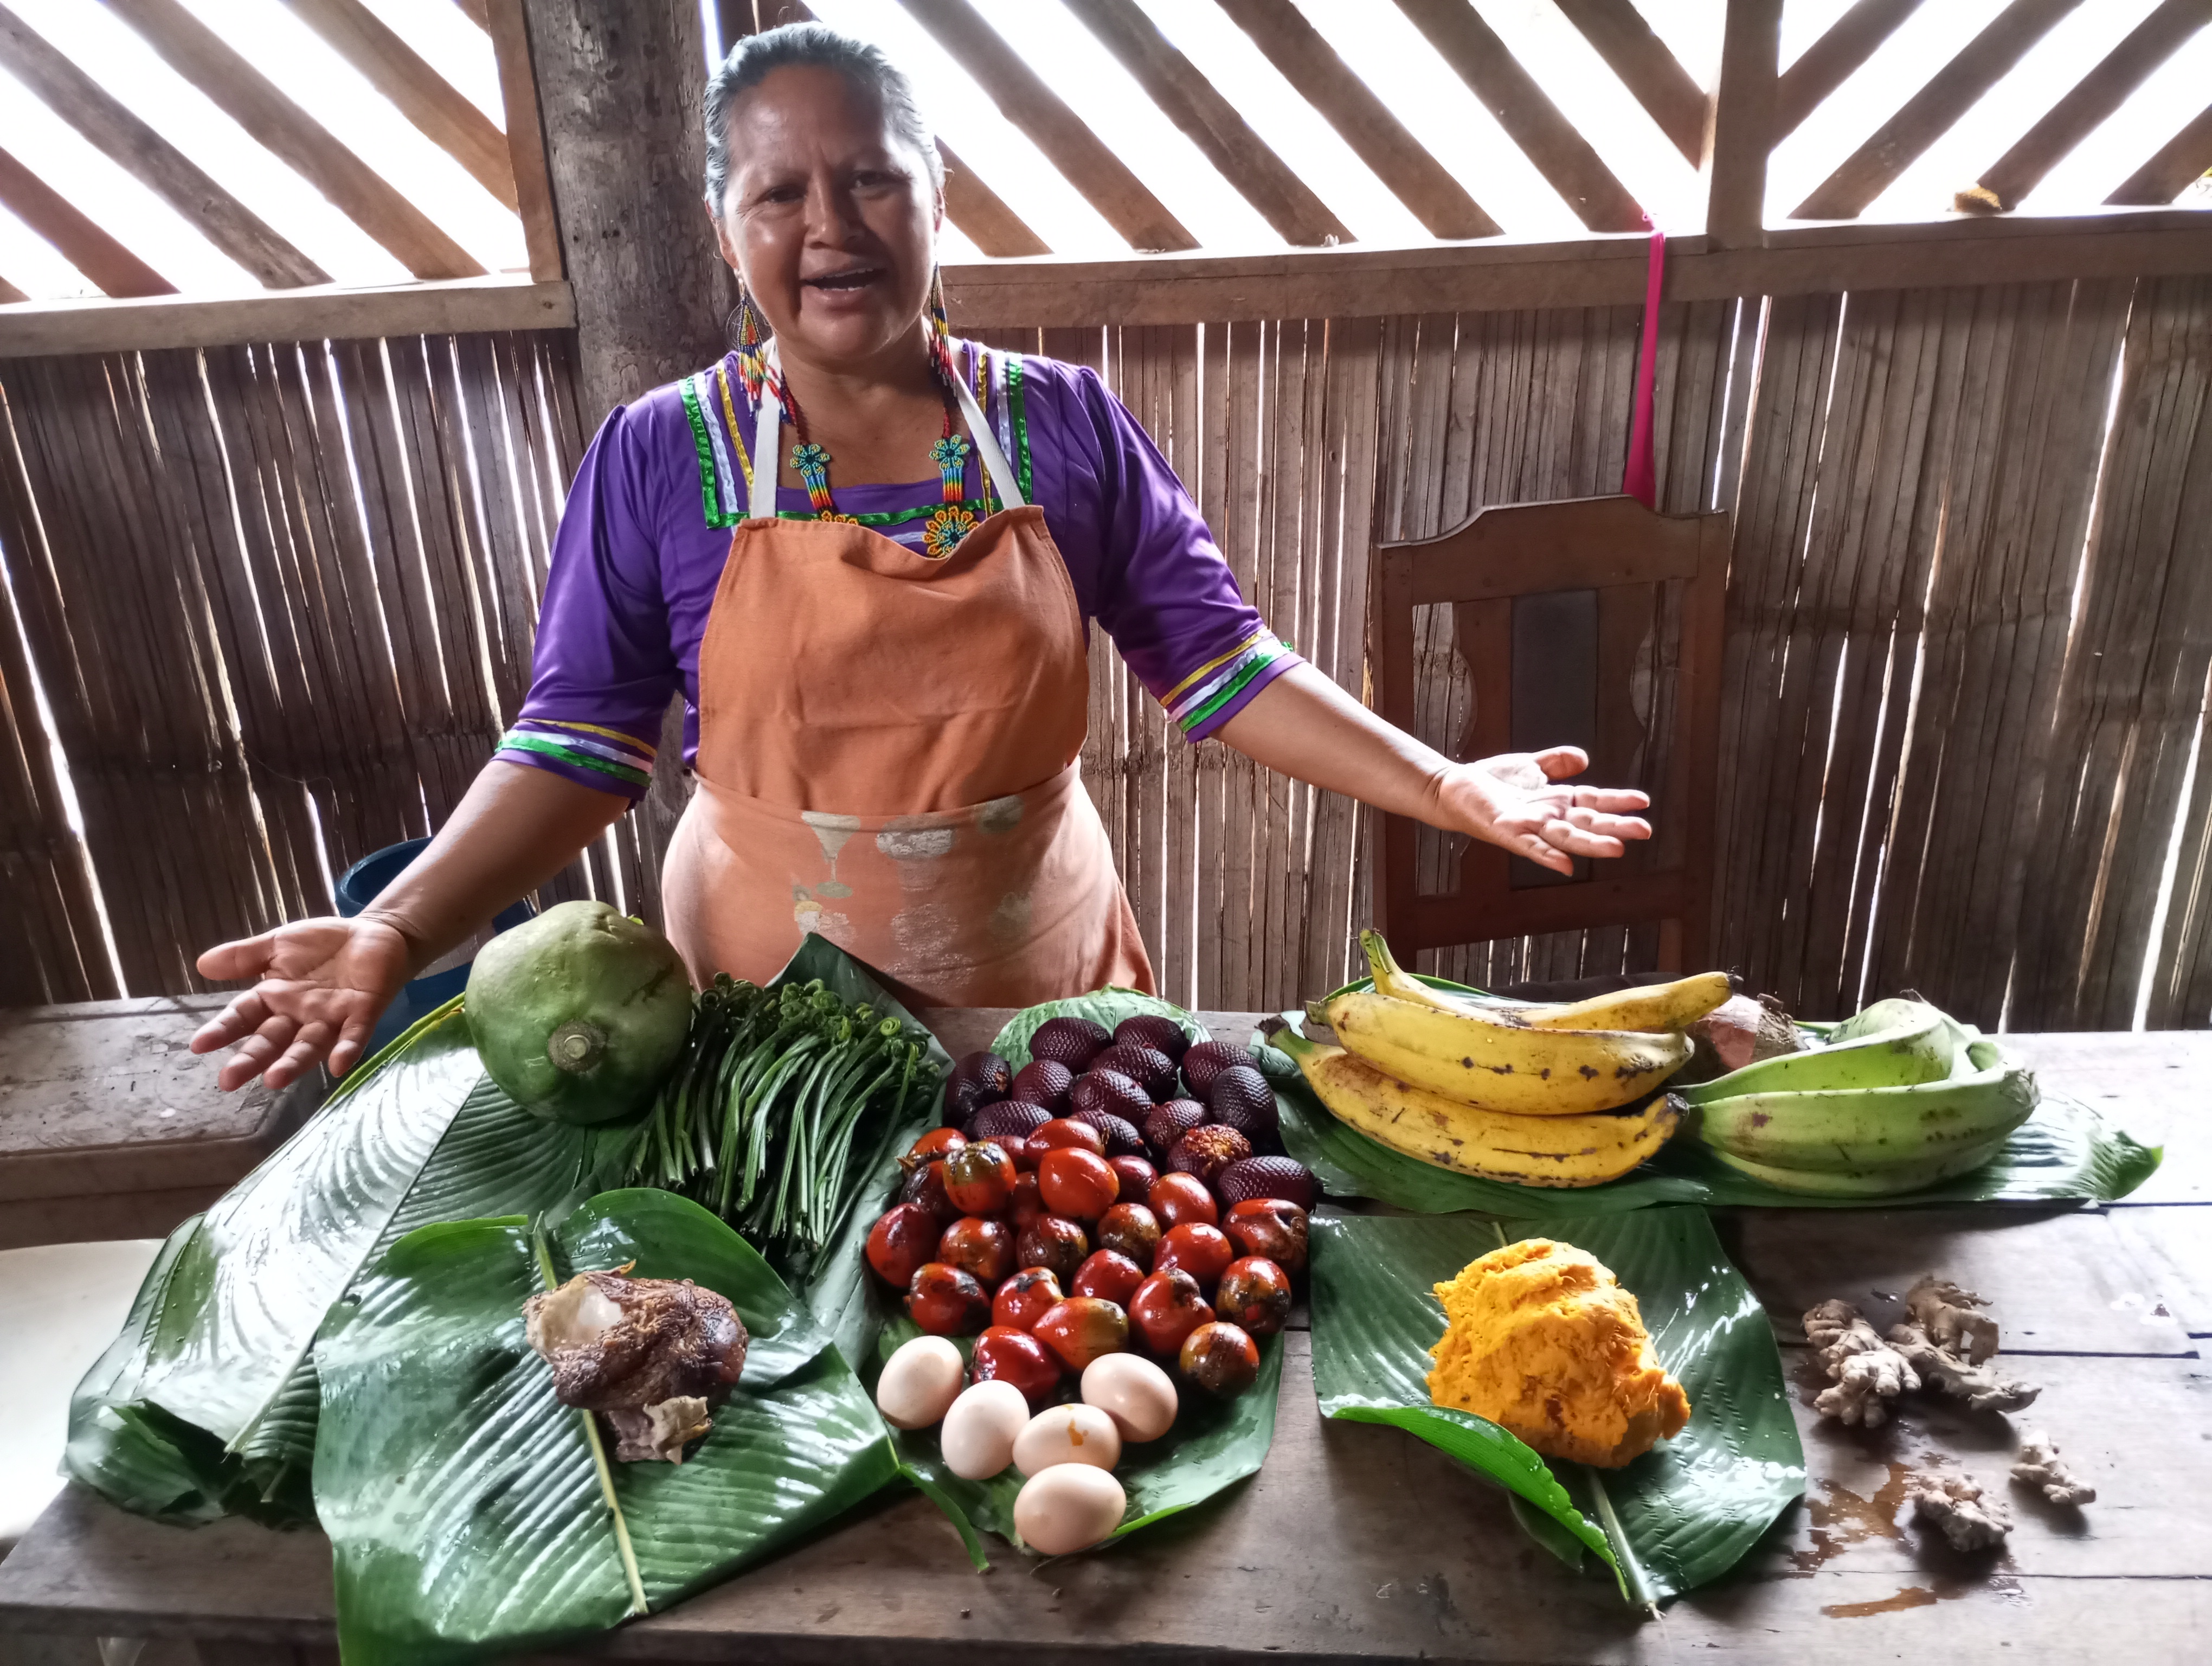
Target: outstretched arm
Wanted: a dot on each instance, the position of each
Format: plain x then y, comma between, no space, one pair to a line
321,985
1304,726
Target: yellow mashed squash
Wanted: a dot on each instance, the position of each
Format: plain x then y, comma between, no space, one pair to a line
1540,1338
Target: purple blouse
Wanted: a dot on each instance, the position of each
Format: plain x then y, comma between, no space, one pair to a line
642,539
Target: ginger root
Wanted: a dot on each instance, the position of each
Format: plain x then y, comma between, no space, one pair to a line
1956,1506
1952,1316
1869,1372
2038,1465
1982,1387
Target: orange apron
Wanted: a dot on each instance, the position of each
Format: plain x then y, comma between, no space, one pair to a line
887,756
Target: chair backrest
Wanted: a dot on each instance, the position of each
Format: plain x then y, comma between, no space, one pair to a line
1576,586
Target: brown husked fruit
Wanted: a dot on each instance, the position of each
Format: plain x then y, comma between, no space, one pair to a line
1043,1082
1131,1230
1208,1059
1155,1030
1071,1042
924,1187
1008,1119
1269,1227
1147,1066
1205,1151
979,1178
1111,1092
947,1301
1170,1121
1119,1133
977,1244
1054,1243
977,1079
1256,1293
1221,1358
1242,1098
1268,1177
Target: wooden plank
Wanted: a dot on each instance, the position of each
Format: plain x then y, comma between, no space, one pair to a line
2145,1084
418,92
1192,102
1832,59
115,129
2181,161
475,10
1648,69
1102,178
1930,112
982,214
1529,118
2092,100
507,24
1594,271
1744,127
1361,120
259,106
10,295
111,268
48,328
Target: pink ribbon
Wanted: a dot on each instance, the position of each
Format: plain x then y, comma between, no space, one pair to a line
1640,480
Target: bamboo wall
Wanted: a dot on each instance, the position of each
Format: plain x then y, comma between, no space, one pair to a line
279,600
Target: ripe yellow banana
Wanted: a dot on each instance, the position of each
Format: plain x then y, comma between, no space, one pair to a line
1528,1150
1653,1007
1501,1065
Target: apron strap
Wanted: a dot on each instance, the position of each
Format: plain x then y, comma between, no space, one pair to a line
767,420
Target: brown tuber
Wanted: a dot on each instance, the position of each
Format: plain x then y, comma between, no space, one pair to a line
2039,1466
1869,1370
653,1356
1957,1507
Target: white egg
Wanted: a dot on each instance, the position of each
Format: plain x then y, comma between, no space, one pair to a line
919,1384
1068,1507
1068,1434
979,1433
1134,1392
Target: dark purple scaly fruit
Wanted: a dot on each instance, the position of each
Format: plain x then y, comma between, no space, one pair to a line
975,1082
1208,1150
1242,1098
1170,1121
1043,1082
1008,1119
1072,1041
1267,1176
1110,1091
1208,1059
1147,1066
1119,1134
1155,1030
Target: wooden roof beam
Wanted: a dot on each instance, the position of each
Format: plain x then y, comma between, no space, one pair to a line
1650,71
1083,159
251,100
1933,111
1832,59
10,295
113,269
1530,120
2093,98
474,10
1743,125
112,126
503,21
2185,157
1222,137
982,214
1362,121
418,92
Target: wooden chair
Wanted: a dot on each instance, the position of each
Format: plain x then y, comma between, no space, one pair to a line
1574,587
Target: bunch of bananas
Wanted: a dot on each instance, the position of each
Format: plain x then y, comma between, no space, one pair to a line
1898,1097
1556,1095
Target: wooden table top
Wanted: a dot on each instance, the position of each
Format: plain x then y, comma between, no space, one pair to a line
1357,1540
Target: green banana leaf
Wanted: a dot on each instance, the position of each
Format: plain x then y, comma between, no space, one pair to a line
2065,1153
1107,1006
1213,1444
1677,1517
470,1511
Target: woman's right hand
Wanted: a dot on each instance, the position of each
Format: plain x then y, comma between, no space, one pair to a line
320,986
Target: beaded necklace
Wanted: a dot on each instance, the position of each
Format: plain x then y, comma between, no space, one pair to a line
947,524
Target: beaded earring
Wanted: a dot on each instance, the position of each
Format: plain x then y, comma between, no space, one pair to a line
940,331
751,331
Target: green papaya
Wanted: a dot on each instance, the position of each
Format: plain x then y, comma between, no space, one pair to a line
580,1014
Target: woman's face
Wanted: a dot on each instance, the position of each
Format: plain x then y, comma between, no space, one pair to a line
830,218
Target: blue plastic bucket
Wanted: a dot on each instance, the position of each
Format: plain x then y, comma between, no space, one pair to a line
359,885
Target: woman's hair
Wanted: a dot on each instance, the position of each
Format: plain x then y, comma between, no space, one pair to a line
758,56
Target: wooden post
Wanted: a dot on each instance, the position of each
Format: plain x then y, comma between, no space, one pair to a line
1743,125
619,86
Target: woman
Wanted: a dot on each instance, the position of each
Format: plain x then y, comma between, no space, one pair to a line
886,683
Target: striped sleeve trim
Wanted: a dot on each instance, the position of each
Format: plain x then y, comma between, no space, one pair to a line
1214,684
584,746
719,489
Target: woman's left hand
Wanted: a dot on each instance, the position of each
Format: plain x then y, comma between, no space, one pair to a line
1523,802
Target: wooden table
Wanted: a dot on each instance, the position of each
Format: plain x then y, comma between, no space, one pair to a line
1356,1541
